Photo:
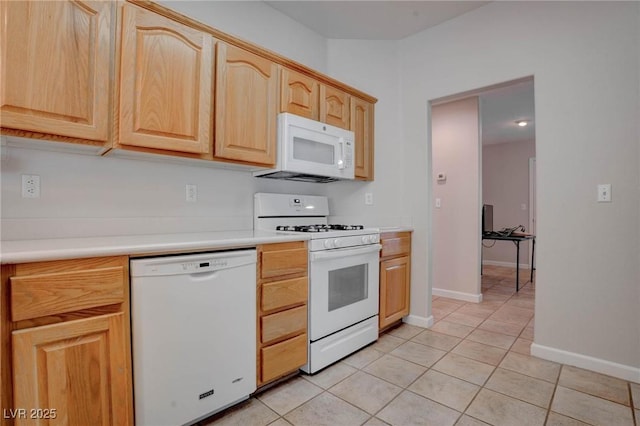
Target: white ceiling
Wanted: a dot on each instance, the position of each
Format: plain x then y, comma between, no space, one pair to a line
372,20
394,20
501,108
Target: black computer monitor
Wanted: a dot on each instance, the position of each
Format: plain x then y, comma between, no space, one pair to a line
487,218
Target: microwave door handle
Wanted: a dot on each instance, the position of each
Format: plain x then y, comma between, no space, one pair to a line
341,158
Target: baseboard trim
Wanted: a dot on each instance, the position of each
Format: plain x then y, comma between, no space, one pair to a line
505,264
598,365
419,321
458,295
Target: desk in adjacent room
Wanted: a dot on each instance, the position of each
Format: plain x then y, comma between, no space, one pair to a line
516,238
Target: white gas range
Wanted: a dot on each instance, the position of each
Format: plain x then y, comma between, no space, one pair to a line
343,274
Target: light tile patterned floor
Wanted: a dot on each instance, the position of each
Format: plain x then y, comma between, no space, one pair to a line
471,368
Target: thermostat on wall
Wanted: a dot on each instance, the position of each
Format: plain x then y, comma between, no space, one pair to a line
441,177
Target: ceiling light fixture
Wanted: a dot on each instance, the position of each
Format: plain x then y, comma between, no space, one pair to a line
522,123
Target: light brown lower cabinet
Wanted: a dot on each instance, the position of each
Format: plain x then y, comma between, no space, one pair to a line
282,296
66,351
395,277
74,372
282,358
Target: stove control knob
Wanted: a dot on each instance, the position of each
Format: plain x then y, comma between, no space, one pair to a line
375,239
365,240
327,244
336,242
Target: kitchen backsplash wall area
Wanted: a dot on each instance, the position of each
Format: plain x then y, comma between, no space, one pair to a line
88,195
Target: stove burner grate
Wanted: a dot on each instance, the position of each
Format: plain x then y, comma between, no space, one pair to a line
318,228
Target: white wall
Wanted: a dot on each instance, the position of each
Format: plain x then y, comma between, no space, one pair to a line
260,24
584,59
455,133
505,185
371,66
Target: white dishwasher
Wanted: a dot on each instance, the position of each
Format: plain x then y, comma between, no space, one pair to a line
193,333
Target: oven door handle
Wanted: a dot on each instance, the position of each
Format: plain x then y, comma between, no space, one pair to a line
340,253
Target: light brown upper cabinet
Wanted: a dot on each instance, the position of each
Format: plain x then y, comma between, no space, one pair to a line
299,94
362,125
246,98
334,107
55,67
166,97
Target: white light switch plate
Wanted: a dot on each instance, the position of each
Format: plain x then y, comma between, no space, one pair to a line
604,193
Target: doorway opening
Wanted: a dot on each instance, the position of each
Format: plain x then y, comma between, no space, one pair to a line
482,152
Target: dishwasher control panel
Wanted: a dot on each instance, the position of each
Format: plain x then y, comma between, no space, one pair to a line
192,264
199,266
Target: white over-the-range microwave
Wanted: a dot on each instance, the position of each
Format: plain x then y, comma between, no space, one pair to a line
311,151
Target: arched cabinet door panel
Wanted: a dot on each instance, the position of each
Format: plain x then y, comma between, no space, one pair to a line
334,107
166,98
299,94
246,97
55,73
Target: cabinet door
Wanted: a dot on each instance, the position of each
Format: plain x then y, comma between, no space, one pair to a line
165,83
246,90
79,368
55,72
395,276
334,107
299,94
362,126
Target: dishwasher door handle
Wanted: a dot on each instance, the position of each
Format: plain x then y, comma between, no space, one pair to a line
203,276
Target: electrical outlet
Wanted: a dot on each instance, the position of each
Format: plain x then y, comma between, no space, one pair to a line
438,203
30,186
192,193
368,198
604,193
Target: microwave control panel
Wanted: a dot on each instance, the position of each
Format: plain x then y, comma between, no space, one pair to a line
348,155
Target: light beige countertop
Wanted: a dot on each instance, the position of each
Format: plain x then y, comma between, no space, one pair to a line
21,251
384,229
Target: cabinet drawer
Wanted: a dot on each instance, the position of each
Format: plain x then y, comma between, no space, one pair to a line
290,260
283,357
39,295
280,294
285,323
396,244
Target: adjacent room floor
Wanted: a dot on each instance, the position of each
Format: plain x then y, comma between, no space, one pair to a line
471,368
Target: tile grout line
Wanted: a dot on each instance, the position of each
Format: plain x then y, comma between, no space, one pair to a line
632,404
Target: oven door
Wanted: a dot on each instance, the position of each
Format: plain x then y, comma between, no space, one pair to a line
343,288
